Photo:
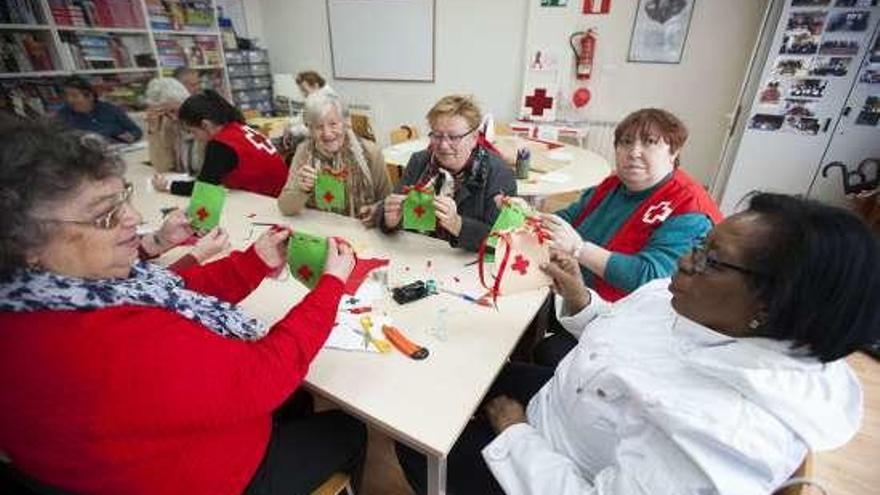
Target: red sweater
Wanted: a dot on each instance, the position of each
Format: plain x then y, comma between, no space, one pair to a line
140,400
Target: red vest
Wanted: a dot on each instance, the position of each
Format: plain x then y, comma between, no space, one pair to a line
260,167
678,196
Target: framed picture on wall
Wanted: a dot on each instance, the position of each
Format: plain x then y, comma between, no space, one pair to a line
660,30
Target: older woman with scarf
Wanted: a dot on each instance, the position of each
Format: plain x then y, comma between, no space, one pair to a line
465,173
118,376
332,148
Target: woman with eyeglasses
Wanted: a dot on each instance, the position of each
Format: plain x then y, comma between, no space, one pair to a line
236,155
633,226
466,175
118,376
333,148
720,380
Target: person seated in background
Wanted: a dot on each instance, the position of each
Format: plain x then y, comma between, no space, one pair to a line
718,381
236,155
466,176
118,376
171,149
83,110
189,78
633,226
309,82
333,147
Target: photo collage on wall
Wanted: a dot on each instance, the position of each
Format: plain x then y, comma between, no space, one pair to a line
819,42
869,114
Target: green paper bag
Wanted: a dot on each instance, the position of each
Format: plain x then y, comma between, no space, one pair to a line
418,210
205,206
330,192
512,216
306,256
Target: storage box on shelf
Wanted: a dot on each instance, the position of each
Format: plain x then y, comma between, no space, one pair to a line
250,79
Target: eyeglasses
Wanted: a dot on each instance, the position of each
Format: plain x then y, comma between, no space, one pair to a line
108,220
438,138
702,260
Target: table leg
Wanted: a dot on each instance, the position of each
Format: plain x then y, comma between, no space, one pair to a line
436,475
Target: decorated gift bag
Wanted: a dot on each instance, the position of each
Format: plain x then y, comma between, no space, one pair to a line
519,253
330,190
512,216
205,206
306,256
418,209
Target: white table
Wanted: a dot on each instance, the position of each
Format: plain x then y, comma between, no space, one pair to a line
560,170
425,404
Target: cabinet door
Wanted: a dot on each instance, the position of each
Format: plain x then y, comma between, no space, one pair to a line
807,77
852,161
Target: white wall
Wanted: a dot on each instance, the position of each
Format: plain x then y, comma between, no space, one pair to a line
701,90
480,48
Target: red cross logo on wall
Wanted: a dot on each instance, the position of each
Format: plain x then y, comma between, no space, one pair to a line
419,211
202,213
520,264
304,272
657,213
328,197
539,101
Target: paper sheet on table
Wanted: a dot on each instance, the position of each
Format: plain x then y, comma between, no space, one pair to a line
560,155
368,293
347,333
555,178
171,177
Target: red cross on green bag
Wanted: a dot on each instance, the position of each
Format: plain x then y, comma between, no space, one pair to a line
205,206
306,256
418,209
330,190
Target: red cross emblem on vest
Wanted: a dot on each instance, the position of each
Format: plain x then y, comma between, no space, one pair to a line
539,101
657,213
259,141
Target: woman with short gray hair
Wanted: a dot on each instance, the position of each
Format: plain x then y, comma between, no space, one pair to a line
333,148
170,148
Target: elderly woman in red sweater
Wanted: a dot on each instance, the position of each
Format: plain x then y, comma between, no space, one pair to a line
118,376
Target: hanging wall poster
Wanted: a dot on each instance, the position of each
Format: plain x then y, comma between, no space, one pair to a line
870,113
766,122
839,47
597,6
810,3
791,67
829,66
771,93
660,30
801,125
802,32
810,88
856,3
799,107
848,20
554,3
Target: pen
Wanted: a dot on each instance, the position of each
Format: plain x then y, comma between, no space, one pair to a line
475,300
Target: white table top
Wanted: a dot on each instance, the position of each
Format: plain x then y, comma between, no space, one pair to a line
560,170
426,403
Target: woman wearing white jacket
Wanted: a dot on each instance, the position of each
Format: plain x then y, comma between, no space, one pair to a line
719,381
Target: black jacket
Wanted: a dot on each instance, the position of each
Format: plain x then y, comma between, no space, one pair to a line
474,201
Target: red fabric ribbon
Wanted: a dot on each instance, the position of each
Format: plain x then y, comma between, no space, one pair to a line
494,290
537,226
339,174
425,189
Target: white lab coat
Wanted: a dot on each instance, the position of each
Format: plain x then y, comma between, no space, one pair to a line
650,402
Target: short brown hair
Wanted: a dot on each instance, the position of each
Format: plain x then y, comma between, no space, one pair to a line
452,105
311,77
656,122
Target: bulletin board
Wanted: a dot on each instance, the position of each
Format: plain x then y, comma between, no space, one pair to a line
388,40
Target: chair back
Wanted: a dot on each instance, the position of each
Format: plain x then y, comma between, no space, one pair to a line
404,133
336,484
360,124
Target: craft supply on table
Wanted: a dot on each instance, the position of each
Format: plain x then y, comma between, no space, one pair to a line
403,344
367,324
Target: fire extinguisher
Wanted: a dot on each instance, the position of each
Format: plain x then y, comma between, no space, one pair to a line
584,50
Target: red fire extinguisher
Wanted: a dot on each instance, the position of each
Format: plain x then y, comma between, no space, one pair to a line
584,50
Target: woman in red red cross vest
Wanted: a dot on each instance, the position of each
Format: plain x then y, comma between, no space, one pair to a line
633,226
236,155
